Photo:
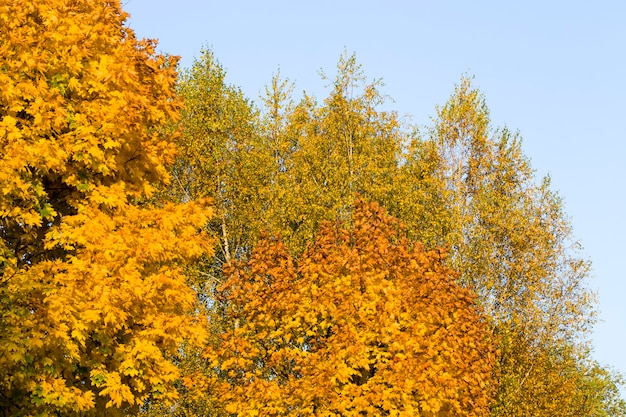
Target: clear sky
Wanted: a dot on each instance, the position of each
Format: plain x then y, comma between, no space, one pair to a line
554,70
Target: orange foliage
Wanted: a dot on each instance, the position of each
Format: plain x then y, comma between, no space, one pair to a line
365,322
93,302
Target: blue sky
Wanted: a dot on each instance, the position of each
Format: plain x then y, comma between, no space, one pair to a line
554,70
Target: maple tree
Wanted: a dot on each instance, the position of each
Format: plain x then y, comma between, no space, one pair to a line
364,322
93,298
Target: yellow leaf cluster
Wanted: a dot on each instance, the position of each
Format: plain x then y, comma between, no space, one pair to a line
93,295
365,322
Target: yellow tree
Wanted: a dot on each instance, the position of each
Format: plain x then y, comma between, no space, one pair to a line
471,187
93,300
365,322
289,168
329,153
220,156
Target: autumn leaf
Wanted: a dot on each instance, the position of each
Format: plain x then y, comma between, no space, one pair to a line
357,325
93,296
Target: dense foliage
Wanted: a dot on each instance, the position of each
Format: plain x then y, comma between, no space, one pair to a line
294,293
93,299
458,183
364,322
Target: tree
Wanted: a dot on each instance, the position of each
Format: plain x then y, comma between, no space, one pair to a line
223,158
471,187
459,183
93,299
220,156
336,150
364,322
291,167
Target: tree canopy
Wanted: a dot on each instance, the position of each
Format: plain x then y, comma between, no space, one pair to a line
364,322
93,299
459,184
169,248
